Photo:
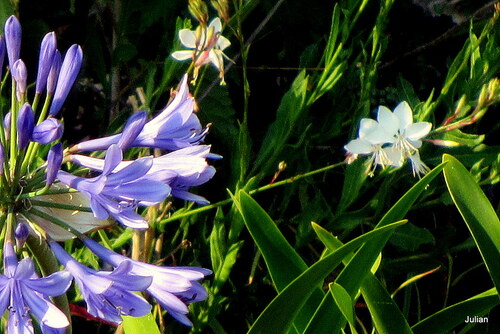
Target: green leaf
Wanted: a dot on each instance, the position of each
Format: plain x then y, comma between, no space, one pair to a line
477,212
277,316
283,262
222,275
344,303
411,237
461,138
359,267
448,318
386,315
140,325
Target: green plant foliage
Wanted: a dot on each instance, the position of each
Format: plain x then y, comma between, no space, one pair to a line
478,214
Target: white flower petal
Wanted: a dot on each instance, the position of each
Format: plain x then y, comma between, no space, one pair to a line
404,114
216,24
217,60
394,155
223,42
379,135
359,146
417,130
366,125
388,120
187,38
182,55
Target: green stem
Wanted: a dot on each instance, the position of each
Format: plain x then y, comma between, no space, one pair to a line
46,192
251,192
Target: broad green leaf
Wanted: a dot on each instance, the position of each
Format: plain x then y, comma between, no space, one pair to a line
359,267
478,214
140,325
344,303
283,262
278,315
386,315
411,237
448,318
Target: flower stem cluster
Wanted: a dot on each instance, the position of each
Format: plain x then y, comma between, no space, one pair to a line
40,198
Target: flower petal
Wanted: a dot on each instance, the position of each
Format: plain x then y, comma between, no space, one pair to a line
46,312
187,38
417,130
404,114
388,121
359,146
182,55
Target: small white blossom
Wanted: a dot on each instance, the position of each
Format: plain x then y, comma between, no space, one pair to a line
391,139
206,45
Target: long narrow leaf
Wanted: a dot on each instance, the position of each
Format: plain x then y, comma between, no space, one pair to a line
277,317
448,318
283,262
359,267
386,315
477,212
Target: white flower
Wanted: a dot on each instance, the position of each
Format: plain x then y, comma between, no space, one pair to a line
206,45
391,139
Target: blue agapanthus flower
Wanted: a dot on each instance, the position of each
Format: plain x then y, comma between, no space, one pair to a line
22,293
41,197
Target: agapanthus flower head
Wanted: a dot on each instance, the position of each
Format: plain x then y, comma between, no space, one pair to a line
173,287
45,199
12,30
391,139
22,293
175,127
180,169
108,295
119,193
206,45
67,75
47,50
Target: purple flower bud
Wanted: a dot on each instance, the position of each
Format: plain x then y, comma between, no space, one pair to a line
6,124
48,131
12,31
67,76
20,75
2,159
132,129
54,73
21,233
47,50
2,53
25,125
54,160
